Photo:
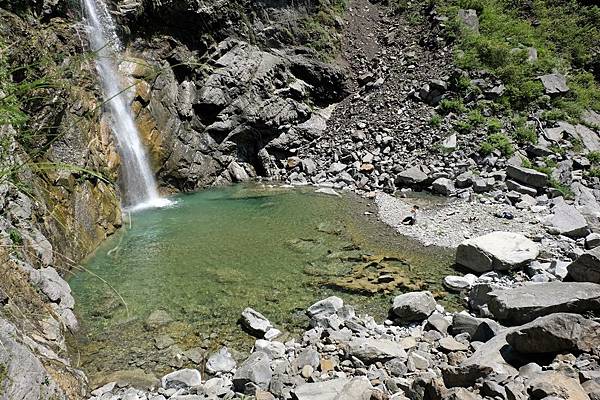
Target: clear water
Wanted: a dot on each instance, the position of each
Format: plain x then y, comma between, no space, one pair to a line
137,178
213,253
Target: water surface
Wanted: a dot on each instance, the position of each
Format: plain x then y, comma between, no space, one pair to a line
215,252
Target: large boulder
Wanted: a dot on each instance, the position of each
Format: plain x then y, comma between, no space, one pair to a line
413,176
370,350
324,308
586,268
523,304
358,388
221,361
555,333
184,378
527,176
255,370
567,220
554,83
255,323
413,306
496,251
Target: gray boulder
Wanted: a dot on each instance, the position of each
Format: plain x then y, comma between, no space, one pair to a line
586,268
496,251
255,323
413,306
184,378
566,220
321,310
370,350
358,388
523,304
589,138
527,176
469,19
554,83
556,333
443,186
255,370
479,329
414,175
221,361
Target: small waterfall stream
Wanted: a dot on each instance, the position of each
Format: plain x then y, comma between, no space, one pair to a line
139,185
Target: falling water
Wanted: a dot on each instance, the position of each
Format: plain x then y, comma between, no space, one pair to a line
138,181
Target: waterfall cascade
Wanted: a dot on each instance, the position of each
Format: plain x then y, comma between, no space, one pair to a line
139,185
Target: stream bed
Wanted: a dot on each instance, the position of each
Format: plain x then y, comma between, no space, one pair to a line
169,287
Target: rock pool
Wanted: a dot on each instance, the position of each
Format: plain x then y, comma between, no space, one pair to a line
187,271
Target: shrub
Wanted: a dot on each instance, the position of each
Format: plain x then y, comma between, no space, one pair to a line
526,134
594,157
497,141
463,127
15,237
436,120
448,106
475,118
494,125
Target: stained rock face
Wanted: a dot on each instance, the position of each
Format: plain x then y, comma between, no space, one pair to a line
587,267
496,251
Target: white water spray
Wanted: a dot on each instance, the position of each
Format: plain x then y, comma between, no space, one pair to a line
139,185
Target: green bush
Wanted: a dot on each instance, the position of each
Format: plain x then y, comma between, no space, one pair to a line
594,157
526,134
448,106
475,118
497,141
436,120
494,125
15,237
463,127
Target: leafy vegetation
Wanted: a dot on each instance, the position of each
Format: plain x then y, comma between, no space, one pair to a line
436,120
448,106
321,27
564,33
497,141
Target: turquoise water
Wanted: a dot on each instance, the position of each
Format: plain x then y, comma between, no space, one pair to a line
215,252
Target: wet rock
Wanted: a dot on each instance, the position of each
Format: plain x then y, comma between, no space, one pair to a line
255,323
413,306
496,251
554,83
567,220
184,378
523,304
556,333
527,176
255,370
586,268
370,350
221,361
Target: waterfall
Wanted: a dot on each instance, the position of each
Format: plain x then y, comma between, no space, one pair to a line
139,185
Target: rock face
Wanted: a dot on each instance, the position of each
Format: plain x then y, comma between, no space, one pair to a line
523,304
414,306
586,268
496,251
556,333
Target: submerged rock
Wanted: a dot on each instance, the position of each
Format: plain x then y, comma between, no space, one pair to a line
496,251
